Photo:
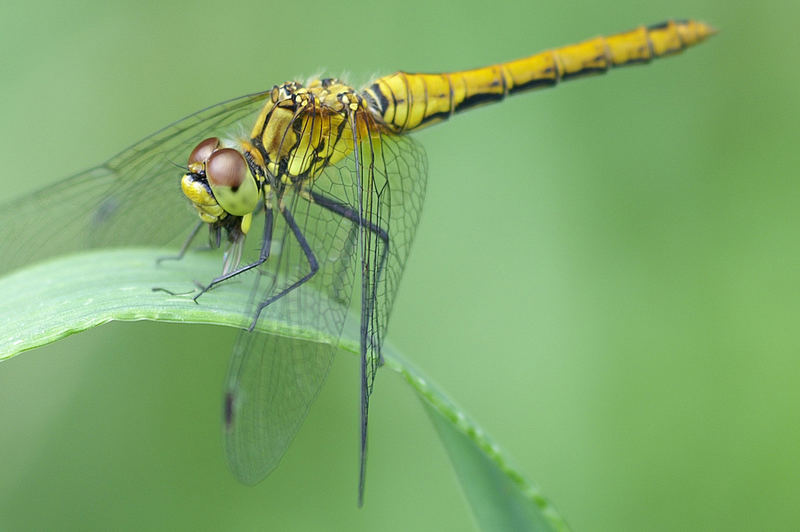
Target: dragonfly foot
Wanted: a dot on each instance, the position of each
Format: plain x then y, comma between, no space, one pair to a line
255,319
170,292
159,260
203,289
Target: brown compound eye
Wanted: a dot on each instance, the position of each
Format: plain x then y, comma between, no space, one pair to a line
203,151
228,175
226,167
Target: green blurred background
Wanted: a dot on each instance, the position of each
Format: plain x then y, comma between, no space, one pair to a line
605,276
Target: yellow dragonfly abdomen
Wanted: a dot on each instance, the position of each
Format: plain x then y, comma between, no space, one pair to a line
407,102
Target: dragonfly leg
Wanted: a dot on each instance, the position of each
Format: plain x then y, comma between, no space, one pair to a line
185,245
312,263
179,256
266,244
348,212
351,214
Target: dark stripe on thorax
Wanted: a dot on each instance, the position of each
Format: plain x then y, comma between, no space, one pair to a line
382,102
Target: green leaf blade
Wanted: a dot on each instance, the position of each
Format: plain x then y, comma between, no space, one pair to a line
499,496
48,301
45,302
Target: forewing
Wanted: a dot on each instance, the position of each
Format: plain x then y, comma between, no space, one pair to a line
132,199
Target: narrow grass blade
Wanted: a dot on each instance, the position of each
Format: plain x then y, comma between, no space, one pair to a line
46,302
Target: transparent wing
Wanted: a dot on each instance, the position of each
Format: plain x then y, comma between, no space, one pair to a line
273,380
271,384
133,199
392,197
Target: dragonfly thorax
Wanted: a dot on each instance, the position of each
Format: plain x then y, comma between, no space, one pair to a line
303,129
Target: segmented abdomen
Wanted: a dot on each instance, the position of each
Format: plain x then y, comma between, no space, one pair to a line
406,102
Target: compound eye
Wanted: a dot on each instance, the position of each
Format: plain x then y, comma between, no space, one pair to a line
234,188
226,167
203,151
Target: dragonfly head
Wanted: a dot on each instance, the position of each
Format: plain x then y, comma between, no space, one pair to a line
219,182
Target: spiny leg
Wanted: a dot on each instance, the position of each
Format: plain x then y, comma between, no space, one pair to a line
185,246
349,213
345,211
312,263
179,256
266,244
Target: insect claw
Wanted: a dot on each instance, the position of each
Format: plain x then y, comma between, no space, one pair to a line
203,289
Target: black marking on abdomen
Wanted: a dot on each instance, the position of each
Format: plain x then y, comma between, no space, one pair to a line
533,84
444,115
658,26
588,71
478,99
635,61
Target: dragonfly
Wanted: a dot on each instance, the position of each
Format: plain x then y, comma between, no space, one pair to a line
313,192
